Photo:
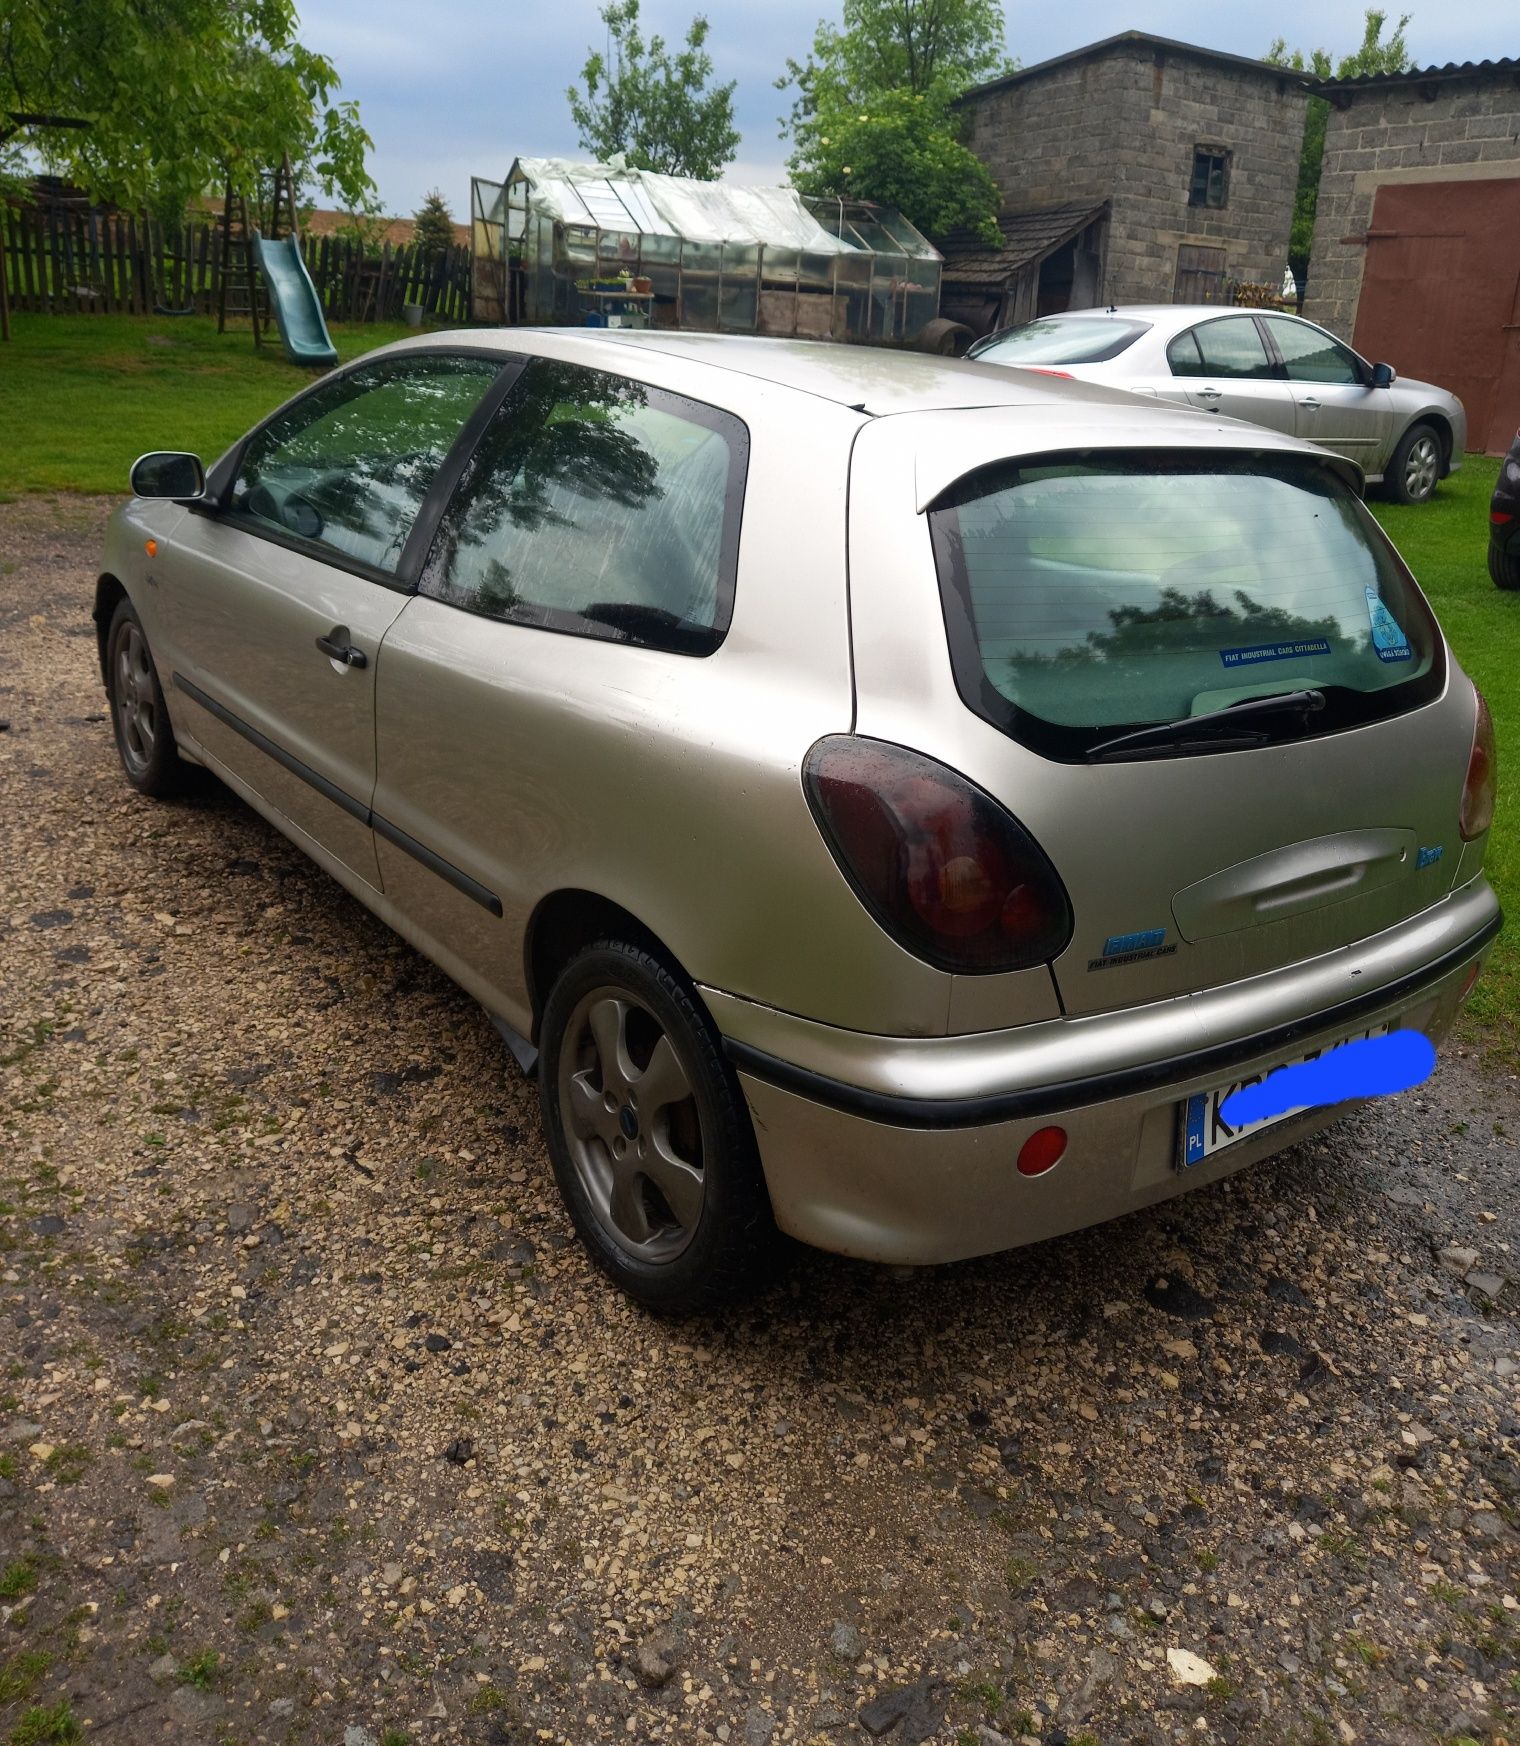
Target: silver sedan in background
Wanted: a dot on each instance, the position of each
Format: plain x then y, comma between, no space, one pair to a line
1266,367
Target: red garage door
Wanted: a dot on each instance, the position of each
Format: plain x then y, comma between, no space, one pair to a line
1441,296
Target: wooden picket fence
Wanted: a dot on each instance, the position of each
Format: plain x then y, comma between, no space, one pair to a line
60,262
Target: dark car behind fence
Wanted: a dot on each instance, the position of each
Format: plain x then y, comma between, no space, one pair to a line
70,263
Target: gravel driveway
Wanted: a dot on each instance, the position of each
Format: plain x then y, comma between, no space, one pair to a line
316,1426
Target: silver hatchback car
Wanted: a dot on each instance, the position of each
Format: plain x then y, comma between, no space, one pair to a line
886,798
1274,369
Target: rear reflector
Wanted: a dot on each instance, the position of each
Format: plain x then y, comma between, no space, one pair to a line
1042,1151
1482,782
1499,517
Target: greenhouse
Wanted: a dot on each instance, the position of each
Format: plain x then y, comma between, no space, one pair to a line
601,245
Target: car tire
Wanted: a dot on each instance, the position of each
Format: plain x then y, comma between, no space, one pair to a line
649,1134
145,741
1419,461
1504,567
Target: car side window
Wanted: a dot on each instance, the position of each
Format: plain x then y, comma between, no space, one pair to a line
347,466
1312,356
599,506
1227,347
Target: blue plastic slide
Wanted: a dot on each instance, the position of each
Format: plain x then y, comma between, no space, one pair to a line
293,298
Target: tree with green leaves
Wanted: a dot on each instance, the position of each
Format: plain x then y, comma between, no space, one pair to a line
874,113
655,107
433,227
1372,55
161,98
889,45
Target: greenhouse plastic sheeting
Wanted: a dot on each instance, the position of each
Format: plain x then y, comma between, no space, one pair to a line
613,197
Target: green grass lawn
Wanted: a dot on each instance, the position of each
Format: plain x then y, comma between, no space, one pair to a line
1445,543
81,397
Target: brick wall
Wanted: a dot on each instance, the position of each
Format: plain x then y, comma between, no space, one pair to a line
1469,130
1122,127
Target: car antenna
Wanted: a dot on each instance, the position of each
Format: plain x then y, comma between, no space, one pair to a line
1113,309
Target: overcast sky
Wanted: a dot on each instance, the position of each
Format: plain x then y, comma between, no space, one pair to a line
455,88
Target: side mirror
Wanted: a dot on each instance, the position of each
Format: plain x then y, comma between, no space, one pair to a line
166,473
1384,375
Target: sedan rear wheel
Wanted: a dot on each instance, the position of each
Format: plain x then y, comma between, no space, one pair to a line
648,1132
139,716
1417,465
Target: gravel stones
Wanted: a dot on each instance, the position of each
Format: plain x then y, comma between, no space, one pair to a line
1458,1260
844,1640
759,1726
654,1661
919,1707
1188,1668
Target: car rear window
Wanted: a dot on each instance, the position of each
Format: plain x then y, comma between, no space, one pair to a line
1088,595
1060,339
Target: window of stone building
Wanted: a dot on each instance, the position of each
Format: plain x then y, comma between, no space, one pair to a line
1211,176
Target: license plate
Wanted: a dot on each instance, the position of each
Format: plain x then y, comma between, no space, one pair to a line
1202,1131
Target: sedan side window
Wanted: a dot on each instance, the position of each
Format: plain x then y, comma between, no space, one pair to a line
1229,347
348,465
1313,356
598,506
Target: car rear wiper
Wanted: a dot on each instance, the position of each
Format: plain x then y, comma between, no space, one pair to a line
1213,731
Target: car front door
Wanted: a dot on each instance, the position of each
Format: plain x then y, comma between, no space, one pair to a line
1222,365
1336,404
275,601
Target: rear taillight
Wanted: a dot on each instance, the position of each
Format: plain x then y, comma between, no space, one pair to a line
1482,775
950,875
1500,517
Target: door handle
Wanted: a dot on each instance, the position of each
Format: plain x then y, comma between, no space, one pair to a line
1208,394
344,652
1310,405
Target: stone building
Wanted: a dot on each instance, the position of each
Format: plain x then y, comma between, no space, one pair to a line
1134,170
1416,256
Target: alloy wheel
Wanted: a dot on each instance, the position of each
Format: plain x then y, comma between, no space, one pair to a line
135,698
632,1125
1422,468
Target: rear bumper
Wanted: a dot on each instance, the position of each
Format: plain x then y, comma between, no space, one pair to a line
902,1149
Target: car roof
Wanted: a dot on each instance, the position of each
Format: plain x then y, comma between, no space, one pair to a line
871,379
1167,314
879,383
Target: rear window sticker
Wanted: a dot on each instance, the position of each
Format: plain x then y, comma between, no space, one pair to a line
1389,641
1286,651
